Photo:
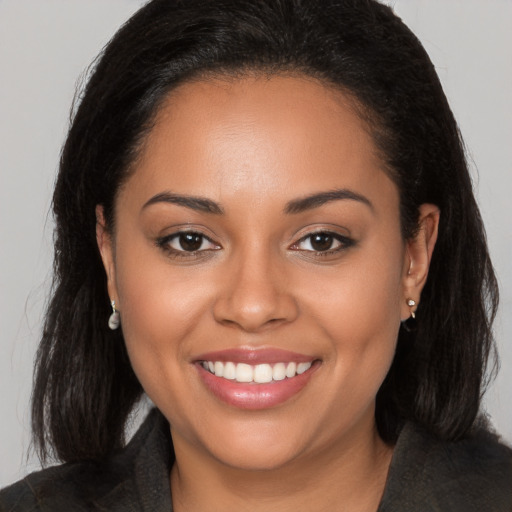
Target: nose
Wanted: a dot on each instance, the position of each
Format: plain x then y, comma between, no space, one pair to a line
255,294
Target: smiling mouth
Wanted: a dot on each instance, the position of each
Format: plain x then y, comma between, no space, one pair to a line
259,373
255,379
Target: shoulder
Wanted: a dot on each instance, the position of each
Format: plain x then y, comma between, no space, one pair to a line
74,486
120,483
472,474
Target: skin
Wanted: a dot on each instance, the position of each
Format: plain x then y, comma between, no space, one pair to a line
252,145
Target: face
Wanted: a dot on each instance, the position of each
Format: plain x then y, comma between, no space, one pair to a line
259,269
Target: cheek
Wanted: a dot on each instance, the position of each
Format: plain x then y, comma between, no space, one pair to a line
359,309
158,310
364,293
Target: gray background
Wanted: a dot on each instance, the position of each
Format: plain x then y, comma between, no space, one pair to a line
45,45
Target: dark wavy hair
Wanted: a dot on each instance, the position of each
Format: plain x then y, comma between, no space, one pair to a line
84,386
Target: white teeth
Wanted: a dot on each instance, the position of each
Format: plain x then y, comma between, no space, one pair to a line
260,373
219,369
229,371
279,371
302,367
291,370
244,372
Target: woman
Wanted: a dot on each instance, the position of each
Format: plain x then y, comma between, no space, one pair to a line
265,223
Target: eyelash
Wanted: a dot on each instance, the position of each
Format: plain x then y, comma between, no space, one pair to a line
344,243
164,243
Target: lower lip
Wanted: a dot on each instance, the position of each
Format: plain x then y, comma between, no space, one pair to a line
255,396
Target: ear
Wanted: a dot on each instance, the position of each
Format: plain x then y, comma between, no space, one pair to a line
418,255
106,248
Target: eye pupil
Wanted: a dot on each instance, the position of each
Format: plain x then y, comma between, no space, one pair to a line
190,241
321,241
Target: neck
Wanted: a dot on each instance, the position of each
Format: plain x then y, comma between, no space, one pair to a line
349,475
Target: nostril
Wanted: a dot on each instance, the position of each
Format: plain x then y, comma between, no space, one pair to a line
252,324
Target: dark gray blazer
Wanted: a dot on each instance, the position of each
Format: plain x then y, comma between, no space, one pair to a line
426,475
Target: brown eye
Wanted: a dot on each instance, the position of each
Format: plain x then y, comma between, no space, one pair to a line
190,241
321,241
186,242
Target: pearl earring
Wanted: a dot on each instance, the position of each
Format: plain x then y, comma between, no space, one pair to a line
411,303
114,320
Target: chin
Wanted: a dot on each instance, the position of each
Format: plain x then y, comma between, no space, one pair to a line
256,445
256,458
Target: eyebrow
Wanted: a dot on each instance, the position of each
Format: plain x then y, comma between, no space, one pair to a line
199,204
321,198
295,206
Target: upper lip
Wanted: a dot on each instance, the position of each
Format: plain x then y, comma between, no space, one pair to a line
255,356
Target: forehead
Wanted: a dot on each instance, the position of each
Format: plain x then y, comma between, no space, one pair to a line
261,134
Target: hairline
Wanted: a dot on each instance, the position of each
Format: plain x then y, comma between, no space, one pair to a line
344,96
